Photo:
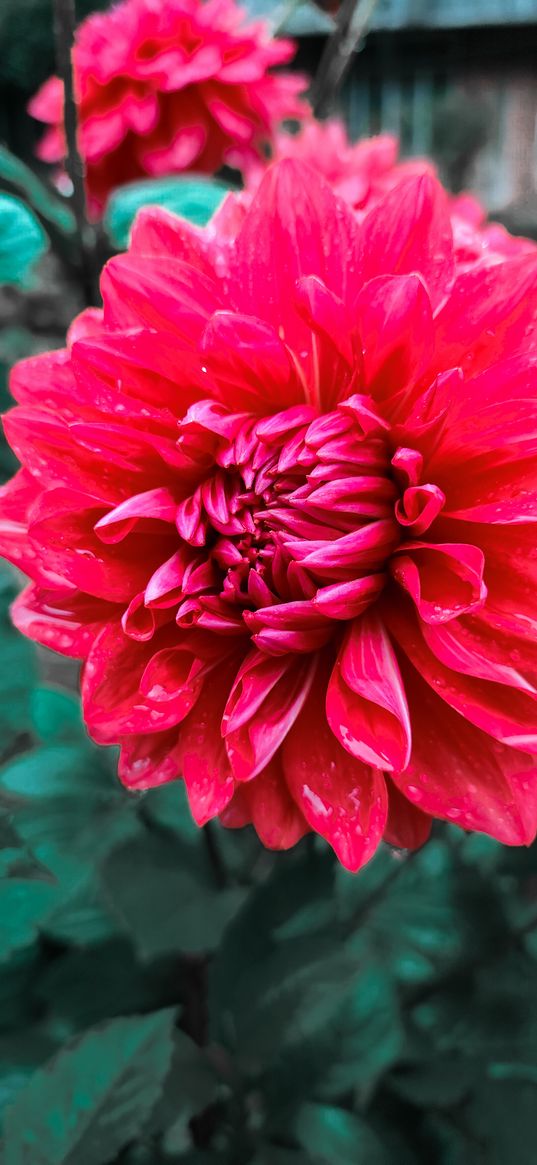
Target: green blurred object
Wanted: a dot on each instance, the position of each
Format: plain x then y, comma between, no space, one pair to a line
22,240
195,199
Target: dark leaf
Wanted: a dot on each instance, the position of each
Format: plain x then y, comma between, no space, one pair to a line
93,1097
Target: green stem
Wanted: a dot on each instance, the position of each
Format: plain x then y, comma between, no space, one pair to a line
64,25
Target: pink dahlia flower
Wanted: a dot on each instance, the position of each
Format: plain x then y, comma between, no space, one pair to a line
166,86
281,498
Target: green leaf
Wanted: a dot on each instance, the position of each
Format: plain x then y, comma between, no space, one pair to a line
18,671
276,969
48,205
421,916
165,895
195,199
93,1097
67,806
81,988
23,904
22,240
502,1118
21,1054
56,715
331,1135
190,1086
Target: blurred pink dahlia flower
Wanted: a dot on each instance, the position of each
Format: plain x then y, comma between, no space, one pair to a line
166,86
360,172
281,498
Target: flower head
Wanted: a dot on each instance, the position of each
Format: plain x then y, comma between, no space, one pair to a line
165,86
281,498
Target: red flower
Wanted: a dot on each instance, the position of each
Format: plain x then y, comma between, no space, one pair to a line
281,498
166,86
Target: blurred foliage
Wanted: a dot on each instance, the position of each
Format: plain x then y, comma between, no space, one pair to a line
27,55
166,996
22,240
194,198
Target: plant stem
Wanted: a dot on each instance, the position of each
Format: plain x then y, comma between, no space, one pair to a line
64,30
352,21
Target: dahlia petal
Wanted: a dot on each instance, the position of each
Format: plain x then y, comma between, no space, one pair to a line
417,509
261,709
112,701
458,773
490,311
157,232
62,528
203,758
505,713
146,762
249,363
160,293
137,621
295,226
153,505
16,499
362,550
366,705
170,673
147,372
275,817
341,798
85,325
349,599
410,231
498,491
65,622
444,580
407,827
326,314
475,646
395,322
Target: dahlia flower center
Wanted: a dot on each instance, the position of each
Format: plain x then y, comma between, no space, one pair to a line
295,523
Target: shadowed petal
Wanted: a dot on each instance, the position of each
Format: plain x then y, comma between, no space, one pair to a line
366,705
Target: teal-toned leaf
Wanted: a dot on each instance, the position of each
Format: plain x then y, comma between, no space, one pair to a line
502,1118
331,1135
270,982
67,806
56,715
93,1097
164,892
82,988
270,1155
47,204
22,240
21,1054
23,904
18,672
195,199
190,1086
420,916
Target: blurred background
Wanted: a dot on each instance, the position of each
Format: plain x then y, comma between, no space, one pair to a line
454,79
